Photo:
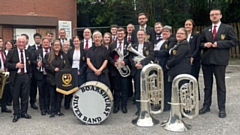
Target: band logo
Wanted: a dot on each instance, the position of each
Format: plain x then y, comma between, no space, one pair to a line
66,79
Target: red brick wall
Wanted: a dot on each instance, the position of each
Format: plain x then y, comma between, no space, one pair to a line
63,9
8,33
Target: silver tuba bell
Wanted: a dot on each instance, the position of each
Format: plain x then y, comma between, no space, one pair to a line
184,100
152,92
123,70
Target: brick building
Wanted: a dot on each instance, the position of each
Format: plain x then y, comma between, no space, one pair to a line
31,16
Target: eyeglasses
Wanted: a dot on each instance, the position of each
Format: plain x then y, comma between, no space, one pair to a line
180,33
215,14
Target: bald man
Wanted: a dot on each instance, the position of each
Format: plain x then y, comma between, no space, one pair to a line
18,64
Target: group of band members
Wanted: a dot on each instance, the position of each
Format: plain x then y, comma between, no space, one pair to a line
96,59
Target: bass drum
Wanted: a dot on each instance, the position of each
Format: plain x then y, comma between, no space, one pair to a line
92,103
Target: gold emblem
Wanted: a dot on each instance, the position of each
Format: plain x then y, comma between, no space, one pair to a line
174,52
144,48
223,36
147,53
148,36
166,46
67,79
83,58
64,61
29,62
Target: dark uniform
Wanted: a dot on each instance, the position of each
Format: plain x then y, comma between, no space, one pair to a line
60,61
149,54
97,55
150,35
161,56
121,84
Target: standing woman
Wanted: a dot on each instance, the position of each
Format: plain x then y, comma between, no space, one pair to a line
77,59
194,42
179,60
97,59
53,62
66,46
107,39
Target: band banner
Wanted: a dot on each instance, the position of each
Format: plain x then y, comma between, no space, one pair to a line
67,81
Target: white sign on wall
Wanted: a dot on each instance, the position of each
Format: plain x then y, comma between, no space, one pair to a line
67,25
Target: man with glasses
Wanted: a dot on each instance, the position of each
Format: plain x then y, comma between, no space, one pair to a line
216,41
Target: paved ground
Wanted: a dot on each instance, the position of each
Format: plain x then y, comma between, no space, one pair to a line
120,124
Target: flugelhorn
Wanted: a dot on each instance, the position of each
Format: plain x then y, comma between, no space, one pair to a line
184,99
123,70
152,92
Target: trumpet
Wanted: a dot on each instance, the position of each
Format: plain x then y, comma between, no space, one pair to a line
184,99
39,59
152,92
123,70
139,56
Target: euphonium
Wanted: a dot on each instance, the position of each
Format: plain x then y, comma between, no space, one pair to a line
123,70
184,99
139,56
152,92
3,79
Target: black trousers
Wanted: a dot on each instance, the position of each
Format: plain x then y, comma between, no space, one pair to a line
219,73
137,87
5,96
167,91
44,93
33,90
20,89
195,68
111,80
55,99
130,87
68,98
121,88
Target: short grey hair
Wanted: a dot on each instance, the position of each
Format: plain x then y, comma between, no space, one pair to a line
97,33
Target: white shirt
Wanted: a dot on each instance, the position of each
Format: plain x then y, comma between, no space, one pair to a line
76,59
89,43
218,25
122,45
159,45
6,52
36,46
189,36
140,48
26,47
24,60
145,26
62,41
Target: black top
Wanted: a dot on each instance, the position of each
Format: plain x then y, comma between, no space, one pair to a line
194,43
97,55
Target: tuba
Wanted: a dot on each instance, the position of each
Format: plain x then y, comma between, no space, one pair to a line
3,79
152,92
123,70
139,56
184,101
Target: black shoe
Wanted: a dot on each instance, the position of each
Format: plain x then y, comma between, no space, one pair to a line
33,106
137,113
6,110
116,109
60,114
222,114
124,109
15,118
52,115
47,111
43,112
204,110
26,116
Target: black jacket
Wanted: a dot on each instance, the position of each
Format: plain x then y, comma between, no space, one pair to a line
150,35
194,43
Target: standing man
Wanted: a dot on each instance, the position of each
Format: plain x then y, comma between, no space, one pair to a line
18,64
121,84
87,41
158,32
37,39
216,42
62,36
49,35
114,32
142,20
130,28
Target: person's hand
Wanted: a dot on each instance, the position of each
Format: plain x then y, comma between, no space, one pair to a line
191,60
167,67
208,45
39,64
56,69
78,73
116,64
122,63
19,65
215,45
98,72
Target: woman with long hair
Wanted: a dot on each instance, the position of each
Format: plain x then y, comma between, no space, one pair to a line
55,61
107,39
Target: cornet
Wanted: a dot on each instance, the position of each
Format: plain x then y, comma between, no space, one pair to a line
184,99
152,92
123,70
39,59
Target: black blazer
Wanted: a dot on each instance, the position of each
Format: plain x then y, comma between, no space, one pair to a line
83,64
37,74
60,61
194,43
179,60
112,53
150,35
161,56
13,59
225,38
147,51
